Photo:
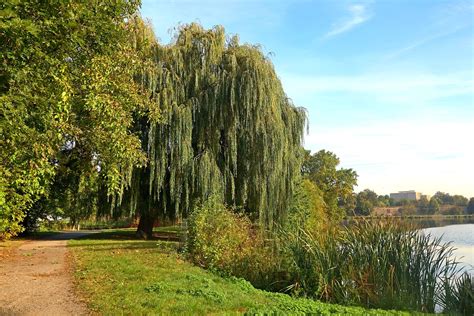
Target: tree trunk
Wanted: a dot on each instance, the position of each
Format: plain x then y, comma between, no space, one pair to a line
145,227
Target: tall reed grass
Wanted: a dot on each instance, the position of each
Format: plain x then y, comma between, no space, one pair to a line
380,264
459,295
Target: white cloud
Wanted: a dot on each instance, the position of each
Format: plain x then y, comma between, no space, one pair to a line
427,154
359,14
427,150
412,88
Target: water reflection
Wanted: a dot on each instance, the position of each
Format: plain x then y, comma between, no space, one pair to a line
462,238
440,222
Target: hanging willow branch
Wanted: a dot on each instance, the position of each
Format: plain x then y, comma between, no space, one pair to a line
227,129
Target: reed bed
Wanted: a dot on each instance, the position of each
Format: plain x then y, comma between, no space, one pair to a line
377,264
458,295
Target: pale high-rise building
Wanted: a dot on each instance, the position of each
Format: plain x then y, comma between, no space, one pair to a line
410,195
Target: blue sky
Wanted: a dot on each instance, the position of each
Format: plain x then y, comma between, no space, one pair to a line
388,84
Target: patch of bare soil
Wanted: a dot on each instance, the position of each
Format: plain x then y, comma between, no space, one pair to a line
35,279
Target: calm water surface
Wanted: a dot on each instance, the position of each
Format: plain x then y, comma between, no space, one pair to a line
461,237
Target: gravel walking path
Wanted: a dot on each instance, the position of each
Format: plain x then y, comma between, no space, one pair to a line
35,278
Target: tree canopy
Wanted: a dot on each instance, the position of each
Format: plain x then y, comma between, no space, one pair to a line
69,96
229,130
365,202
470,206
447,199
97,116
337,185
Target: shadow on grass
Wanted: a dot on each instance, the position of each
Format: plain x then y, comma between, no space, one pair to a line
55,235
113,234
106,247
131,235
35,235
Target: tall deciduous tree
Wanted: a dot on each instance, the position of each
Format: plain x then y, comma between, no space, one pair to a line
433,206
366,201
229,130
68,85
336,184
444,198
460,200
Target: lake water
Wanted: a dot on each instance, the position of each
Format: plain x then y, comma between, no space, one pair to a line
461,237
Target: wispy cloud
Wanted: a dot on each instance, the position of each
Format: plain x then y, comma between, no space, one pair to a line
426,152
359,13
450,18
405,88
422,42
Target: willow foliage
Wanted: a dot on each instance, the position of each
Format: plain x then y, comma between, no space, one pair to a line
228,130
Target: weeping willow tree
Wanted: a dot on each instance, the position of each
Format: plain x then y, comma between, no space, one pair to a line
227,130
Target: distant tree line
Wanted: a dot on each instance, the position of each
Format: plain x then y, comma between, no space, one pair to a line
441,203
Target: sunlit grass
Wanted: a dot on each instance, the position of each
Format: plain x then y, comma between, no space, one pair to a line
117,274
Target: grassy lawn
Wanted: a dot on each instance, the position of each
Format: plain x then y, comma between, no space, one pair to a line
117,274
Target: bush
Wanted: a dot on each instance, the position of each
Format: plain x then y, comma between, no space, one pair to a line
107,223
307,209
222,240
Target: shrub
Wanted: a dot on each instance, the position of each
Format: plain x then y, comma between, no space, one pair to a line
307,209
222,240
106,223
455,210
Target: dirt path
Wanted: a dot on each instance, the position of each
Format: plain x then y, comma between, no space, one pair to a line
35,280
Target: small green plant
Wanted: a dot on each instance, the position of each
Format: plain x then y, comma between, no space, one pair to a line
207,294
156,288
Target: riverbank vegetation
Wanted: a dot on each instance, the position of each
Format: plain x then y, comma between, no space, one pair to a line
120,274
103,124
376,264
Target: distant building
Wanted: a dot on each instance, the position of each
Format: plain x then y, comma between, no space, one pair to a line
407,195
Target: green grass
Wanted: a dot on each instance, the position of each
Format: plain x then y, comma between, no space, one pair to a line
117,274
